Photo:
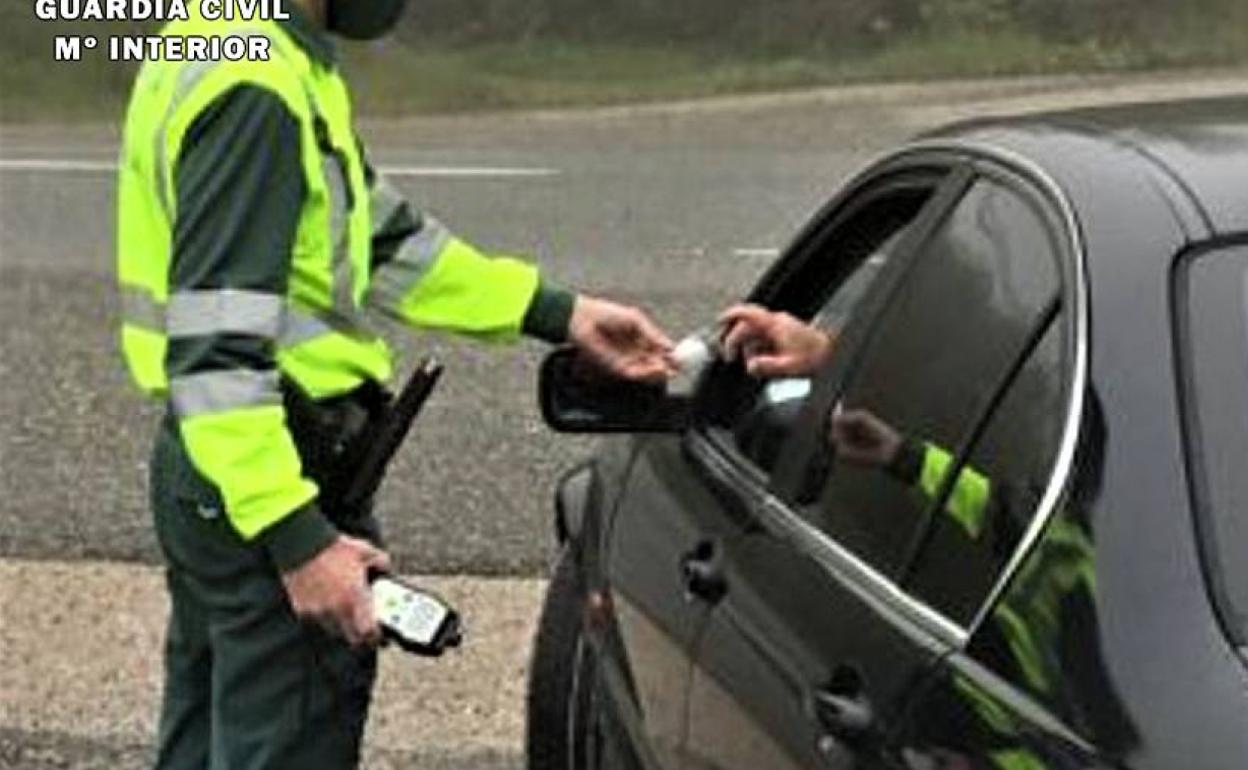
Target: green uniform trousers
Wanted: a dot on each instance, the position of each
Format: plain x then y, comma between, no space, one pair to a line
248,686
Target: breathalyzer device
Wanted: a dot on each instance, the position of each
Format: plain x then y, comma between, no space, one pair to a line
416,620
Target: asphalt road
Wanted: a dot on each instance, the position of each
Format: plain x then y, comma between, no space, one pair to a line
677,207
673,210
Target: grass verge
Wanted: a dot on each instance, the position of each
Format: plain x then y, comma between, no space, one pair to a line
392,80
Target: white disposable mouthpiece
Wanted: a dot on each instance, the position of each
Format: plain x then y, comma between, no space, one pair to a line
692,354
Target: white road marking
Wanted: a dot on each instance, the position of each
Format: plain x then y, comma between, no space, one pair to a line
69,166
53,166
767,253
469,172
80,653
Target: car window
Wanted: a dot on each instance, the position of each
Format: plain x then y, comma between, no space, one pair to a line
756,417
991,504
1215,343
932,365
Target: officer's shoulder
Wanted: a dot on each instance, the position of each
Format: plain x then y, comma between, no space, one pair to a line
274,75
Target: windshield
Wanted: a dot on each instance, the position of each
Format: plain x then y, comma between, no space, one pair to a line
1216,338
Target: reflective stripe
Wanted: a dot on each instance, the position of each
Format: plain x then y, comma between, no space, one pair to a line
395,279
139,308
231,310
386,200
213,392
224,311
299,327
339,224
188,77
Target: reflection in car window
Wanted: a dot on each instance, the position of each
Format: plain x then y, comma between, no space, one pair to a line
1216,315
934,361
756,416
998,489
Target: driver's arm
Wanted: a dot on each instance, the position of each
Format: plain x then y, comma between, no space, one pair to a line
773,343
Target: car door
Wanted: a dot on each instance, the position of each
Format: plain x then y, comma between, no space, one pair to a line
675,512
646,660
814,644
1030,690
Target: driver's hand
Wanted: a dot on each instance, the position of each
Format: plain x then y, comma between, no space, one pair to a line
774,344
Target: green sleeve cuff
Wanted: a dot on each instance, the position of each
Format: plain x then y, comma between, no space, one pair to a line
294,540
549,314
907,466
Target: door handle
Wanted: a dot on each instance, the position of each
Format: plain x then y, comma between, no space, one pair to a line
843,709
849,717
702,574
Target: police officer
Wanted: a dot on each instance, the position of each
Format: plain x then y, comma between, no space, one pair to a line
254,240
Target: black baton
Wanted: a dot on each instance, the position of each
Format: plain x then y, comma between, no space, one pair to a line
395,425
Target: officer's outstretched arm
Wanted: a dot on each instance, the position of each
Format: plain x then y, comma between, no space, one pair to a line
425,276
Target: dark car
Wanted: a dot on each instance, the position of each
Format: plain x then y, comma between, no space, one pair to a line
1052,312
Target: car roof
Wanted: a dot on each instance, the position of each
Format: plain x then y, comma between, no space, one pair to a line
1201,145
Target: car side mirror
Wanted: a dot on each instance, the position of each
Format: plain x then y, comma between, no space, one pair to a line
576,397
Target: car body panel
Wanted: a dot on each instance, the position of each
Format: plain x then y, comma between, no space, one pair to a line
1198,144
774,644
662,516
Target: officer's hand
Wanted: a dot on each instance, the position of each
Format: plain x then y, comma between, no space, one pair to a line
332,589
859,437
774,344
620,339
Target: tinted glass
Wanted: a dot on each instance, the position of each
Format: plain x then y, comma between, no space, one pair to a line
1217,342
976,532
757,416
957,326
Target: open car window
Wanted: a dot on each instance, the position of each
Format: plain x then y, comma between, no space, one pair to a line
755,417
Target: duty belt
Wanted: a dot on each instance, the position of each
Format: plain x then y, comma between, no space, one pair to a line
330,434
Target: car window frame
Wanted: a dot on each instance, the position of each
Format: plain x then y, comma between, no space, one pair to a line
854,339
885,178
767,510
1029,179
1194,441
727,468
1052,317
